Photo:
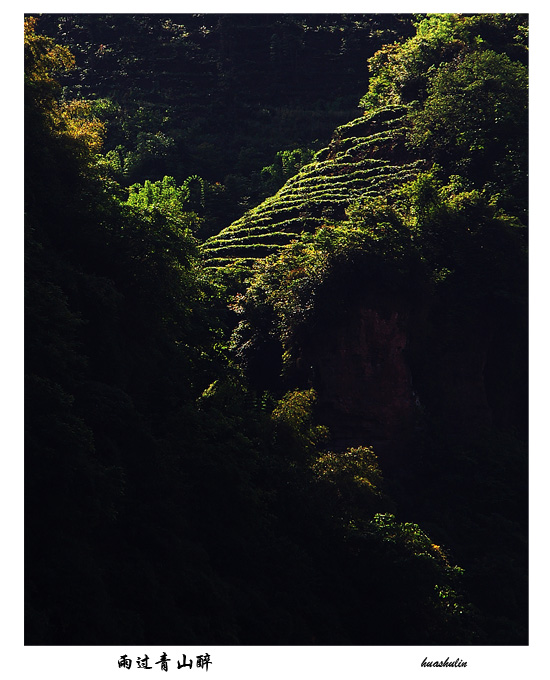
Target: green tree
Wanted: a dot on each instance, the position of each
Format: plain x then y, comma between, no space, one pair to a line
286,165
401,71
164,195
294,423
465,78
474,120
73,121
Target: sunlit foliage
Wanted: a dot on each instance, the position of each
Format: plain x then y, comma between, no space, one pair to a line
180,479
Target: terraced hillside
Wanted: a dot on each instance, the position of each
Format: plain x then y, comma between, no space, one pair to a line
365,158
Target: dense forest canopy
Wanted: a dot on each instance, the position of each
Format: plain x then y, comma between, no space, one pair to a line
275,332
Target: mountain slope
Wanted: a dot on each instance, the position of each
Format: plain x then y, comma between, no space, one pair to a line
365,158
390,277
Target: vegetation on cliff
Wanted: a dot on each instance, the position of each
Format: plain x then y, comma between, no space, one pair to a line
182,480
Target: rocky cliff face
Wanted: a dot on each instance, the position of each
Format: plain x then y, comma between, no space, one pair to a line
384,354
386,364
362,377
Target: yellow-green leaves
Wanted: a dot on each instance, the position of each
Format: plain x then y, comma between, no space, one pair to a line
73,121
293,419
43,57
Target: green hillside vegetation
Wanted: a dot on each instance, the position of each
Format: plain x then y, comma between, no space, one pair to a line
352,167
194,94
469,115
184,480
